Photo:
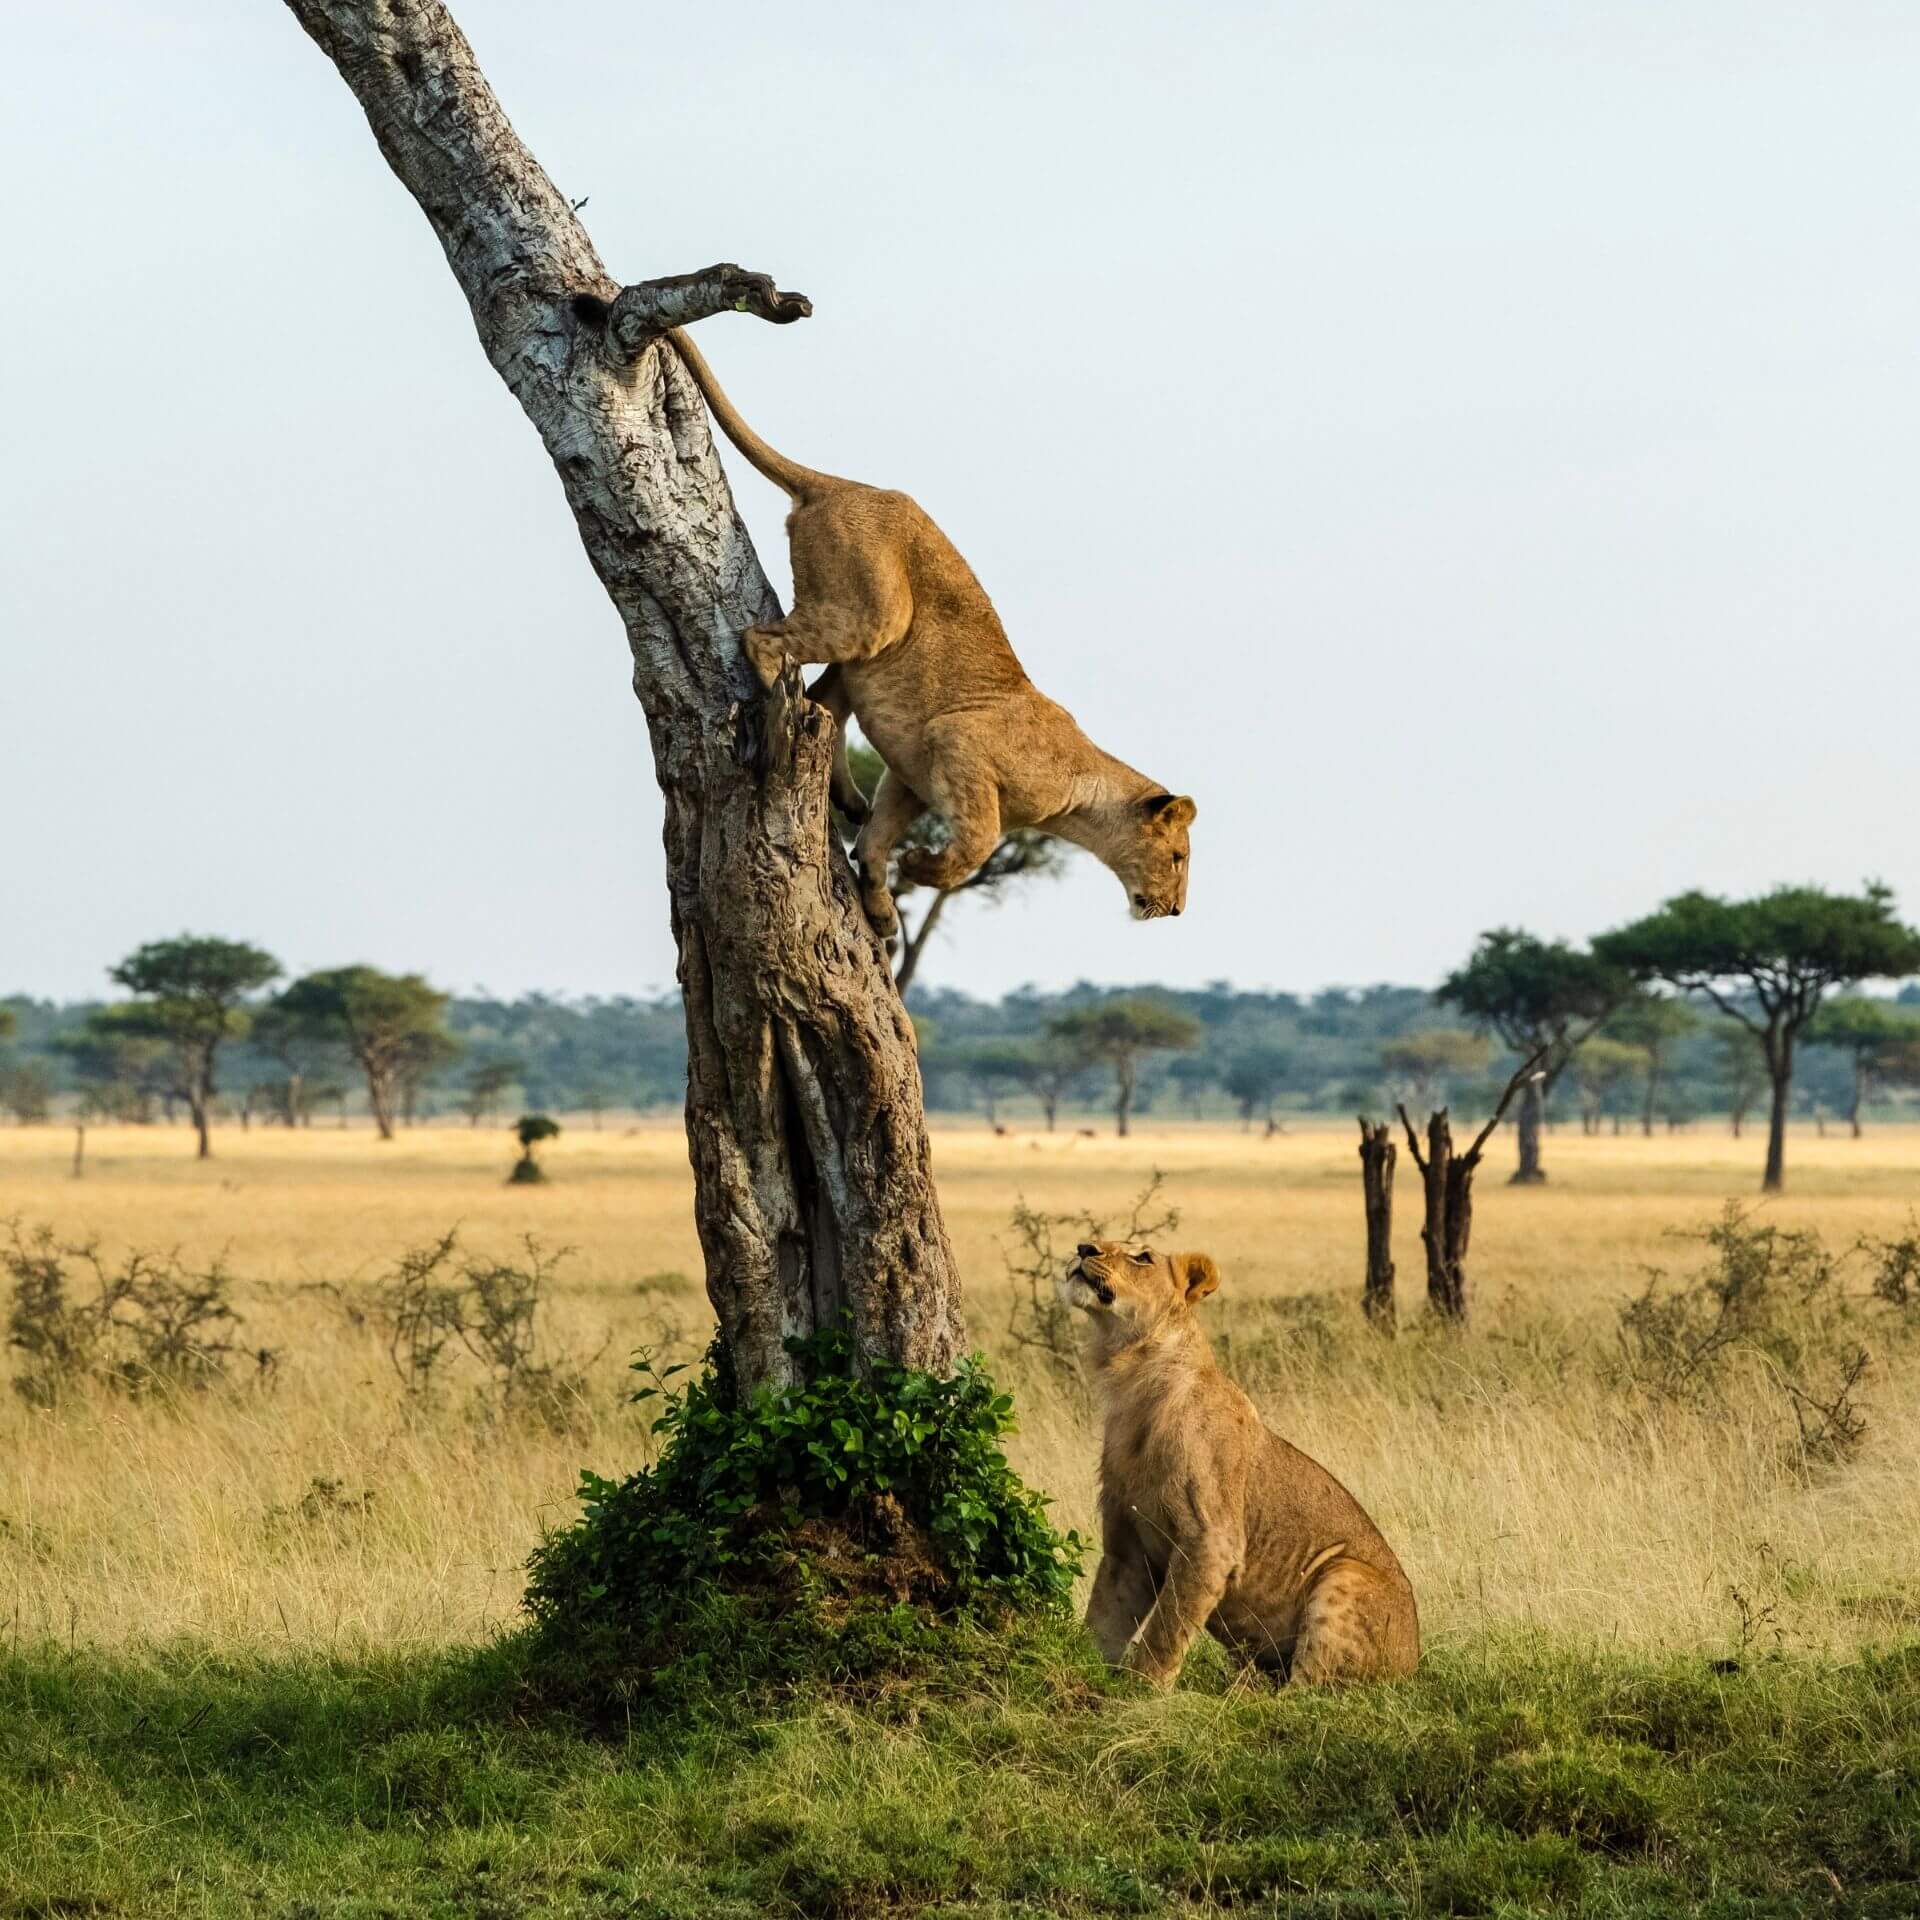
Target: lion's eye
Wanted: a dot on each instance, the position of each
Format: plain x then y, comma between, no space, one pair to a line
1141,1259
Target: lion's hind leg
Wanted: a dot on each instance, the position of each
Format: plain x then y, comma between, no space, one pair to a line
894,809
852,597
830,691
1355,1624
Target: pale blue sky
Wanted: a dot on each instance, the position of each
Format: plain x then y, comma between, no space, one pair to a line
1471,447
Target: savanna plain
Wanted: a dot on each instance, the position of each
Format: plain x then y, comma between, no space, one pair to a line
259,1633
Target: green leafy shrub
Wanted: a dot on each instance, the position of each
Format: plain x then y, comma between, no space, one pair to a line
885,1492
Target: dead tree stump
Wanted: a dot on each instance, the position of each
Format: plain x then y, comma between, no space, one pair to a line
1377,1157
1447,1178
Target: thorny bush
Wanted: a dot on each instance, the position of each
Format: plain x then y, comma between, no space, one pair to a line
1768,1295
439,1298
145,1323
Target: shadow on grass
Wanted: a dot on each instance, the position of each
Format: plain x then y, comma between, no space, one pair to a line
1011,1777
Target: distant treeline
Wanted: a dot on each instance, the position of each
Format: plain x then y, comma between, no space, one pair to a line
1223,1053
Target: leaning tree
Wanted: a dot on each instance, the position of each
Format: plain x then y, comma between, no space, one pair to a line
813,1186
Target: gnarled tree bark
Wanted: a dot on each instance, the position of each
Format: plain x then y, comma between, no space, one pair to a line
813,1188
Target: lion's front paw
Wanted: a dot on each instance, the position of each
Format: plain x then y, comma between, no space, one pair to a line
1143,1667
881,915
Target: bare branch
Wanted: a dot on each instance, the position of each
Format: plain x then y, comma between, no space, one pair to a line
642,313
1412,1143
1525,1072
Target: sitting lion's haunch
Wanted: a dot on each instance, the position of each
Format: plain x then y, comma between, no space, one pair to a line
914,649
1208,1520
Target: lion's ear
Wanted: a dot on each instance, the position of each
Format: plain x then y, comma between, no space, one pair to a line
1171,809
1197,1275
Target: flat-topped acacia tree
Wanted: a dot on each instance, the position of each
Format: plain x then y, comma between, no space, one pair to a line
813,1189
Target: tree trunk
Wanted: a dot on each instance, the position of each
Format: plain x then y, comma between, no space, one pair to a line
197,1107
1050,1106
1447,1185
1859,1095
1780,1068
1447,1225
1653,1095
1122,1095
1377,1156
813,1187
1530,1173
380,1101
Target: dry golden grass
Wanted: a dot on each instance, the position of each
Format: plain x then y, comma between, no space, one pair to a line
1525,1489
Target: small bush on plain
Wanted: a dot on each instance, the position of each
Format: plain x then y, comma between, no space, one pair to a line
1767,1293
439,1298
144,1323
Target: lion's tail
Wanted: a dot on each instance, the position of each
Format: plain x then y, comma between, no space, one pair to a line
797,482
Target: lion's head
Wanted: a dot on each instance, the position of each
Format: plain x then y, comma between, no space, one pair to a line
1152,860
1126,1281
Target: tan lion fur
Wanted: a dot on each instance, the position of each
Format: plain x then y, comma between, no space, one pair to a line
1208,1519
914,649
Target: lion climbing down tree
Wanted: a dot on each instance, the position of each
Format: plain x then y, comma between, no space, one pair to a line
914,650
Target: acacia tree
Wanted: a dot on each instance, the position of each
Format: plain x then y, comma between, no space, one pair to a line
1651,1022
304,1046
1881,1040
1057,1064
1541,997
1253,1078
486,1083
430,1050
813,1186
385,1020
189,993
1023,854
996,1067
1120,1032
1768,962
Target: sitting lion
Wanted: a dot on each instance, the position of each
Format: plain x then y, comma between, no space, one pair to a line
1207,1518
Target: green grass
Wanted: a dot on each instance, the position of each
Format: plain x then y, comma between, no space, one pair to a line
1505,1779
